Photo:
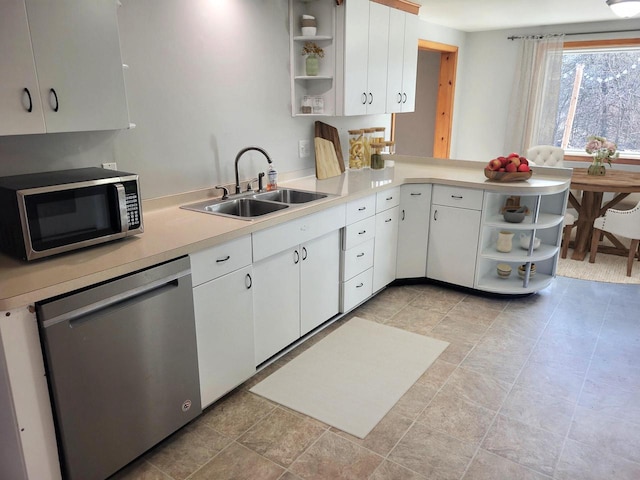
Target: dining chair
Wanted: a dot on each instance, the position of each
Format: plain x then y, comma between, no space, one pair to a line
625,223
550,156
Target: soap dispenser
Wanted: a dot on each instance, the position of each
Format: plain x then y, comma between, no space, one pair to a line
272,176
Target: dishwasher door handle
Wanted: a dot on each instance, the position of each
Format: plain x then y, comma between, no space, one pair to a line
78,313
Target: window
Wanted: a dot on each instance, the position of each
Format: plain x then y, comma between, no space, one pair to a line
600,95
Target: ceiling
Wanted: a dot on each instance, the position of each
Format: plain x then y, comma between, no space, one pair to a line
478,15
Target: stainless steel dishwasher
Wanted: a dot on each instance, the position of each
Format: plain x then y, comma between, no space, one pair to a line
122,367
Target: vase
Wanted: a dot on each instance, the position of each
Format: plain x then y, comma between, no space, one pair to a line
312,65
505,240
596,168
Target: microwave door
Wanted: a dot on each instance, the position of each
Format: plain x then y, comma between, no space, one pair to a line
63,220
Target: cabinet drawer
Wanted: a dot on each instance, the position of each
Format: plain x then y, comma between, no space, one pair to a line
359,232
457,197
387,199
356,290
360,209
276,239
220,260
357,259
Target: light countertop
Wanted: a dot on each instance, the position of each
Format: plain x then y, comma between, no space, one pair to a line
170,232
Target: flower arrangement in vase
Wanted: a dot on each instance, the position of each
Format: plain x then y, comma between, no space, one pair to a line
602,150
313,52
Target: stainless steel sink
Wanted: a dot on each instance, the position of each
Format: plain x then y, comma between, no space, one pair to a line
244,208
290,196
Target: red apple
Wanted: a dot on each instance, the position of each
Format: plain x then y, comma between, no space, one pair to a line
503,160
494,164
501,169
513,154
511,167
524,160
514,160
523,167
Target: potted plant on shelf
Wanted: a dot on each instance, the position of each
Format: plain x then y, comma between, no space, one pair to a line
313,52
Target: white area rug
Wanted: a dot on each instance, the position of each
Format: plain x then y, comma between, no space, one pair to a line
351,378
607,268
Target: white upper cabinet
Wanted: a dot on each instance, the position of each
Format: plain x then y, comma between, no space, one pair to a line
75,47
20,106
365,26
402,62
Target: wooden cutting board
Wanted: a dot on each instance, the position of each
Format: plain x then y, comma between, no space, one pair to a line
329,160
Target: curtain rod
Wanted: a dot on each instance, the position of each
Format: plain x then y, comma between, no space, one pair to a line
516,37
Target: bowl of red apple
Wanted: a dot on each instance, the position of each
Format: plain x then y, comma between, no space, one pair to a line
512,168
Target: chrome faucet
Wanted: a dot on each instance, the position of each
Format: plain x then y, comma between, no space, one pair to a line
240,153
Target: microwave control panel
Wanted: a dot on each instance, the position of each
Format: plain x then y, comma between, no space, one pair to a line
134,212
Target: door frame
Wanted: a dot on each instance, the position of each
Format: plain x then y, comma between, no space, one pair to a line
446,92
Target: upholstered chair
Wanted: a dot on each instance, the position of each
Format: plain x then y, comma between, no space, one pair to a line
550,156
625,223
546,156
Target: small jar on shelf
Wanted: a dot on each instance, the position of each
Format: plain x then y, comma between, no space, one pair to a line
377,161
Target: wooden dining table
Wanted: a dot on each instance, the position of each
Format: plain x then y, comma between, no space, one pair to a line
619,182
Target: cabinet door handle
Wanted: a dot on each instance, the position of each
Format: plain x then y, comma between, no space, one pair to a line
387,220
30,109
304,253
399,97
403,215
296,257
222,260
459,197
404,98
416,194
389,198
435,215
248,281
360,255
370,98
362,232
362,209
364,98
360,285
55,97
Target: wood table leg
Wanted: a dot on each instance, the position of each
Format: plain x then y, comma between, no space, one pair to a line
589,211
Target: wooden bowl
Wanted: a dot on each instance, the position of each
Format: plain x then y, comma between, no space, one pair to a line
507,176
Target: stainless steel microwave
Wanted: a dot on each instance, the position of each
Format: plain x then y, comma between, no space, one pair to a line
43,214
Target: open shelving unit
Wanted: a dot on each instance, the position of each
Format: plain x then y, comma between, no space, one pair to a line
323,84
544,220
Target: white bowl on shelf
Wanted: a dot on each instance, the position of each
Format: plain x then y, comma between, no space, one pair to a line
309,31
525,239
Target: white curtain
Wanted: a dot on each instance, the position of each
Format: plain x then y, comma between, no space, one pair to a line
534,98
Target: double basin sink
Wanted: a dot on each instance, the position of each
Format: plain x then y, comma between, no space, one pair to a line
256,204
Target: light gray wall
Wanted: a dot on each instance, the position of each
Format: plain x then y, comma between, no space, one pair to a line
414,131
206,78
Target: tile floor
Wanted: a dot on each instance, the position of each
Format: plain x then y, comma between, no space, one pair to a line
545,386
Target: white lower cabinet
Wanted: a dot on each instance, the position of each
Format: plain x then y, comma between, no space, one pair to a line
223,306
296,279
453,234
386,247
224,330
295,291
276,303
413,231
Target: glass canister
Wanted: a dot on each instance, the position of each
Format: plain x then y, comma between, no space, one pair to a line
377,162
356,149
366,140
377,135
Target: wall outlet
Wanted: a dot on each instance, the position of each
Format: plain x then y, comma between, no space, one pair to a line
304,148
110,166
